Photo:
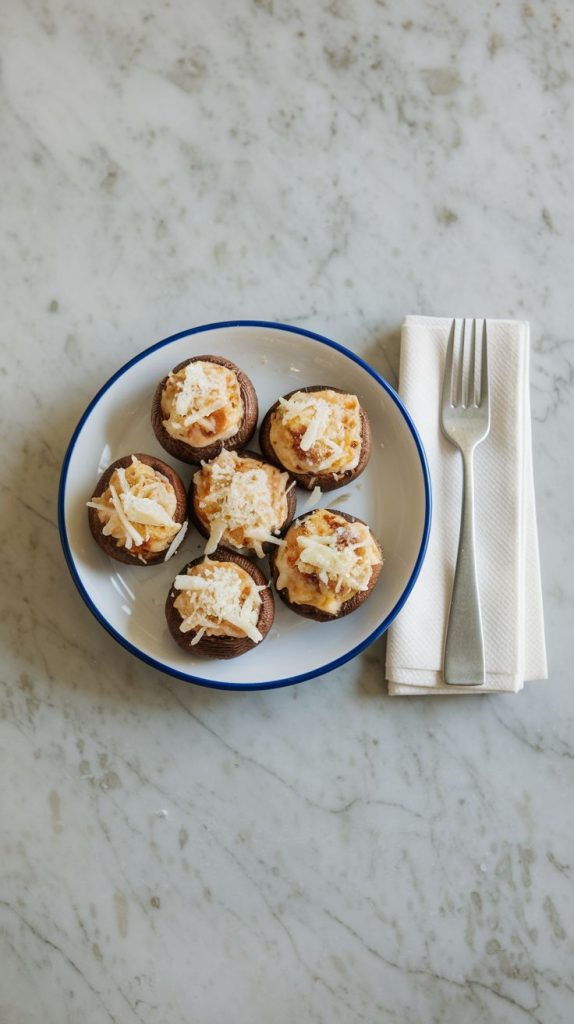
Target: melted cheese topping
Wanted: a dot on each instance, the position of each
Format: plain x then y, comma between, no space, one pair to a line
325,560
241,502
137,509
202,403
317,432
218,599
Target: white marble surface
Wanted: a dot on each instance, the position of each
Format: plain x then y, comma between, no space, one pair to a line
317,854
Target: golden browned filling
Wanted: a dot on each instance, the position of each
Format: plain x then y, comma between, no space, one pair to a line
137,509
317,432
241,501
325,560
202,403
218,599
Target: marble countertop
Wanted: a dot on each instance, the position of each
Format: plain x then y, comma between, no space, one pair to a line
321,853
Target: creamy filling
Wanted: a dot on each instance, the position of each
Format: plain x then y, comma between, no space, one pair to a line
317,432
242,502
137,509
218,599
202,403
325,560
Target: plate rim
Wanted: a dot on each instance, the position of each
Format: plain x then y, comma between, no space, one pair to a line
216,684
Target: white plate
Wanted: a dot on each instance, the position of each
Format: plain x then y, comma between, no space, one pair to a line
392,495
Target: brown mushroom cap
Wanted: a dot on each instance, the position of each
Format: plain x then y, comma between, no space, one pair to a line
222,646
326,481
109,544
200,525
309,611
186,452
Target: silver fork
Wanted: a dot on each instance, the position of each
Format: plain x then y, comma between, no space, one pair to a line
465,420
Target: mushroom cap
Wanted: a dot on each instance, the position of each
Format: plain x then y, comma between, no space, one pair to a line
326,481
309,611
204,530
187,452
222,646
108,543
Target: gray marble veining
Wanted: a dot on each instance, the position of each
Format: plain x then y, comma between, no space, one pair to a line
320,853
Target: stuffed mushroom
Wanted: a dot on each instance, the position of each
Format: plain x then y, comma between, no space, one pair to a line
205,404
221,606
327,565
138,511
242,501
319,434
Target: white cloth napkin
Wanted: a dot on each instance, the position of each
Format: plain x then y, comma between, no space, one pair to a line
506,532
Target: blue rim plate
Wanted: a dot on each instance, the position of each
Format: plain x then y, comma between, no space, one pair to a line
398,492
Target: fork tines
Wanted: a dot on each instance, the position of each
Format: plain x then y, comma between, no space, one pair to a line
460,374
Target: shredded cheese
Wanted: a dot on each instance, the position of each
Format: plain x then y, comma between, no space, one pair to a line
241,501
317,425
323,556
176,542
137,509
202,403
313,498
218,599
317,432
325,560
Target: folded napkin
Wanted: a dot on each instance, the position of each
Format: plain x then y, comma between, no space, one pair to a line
506,533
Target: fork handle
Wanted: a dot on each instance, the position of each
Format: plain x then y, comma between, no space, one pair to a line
464,644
